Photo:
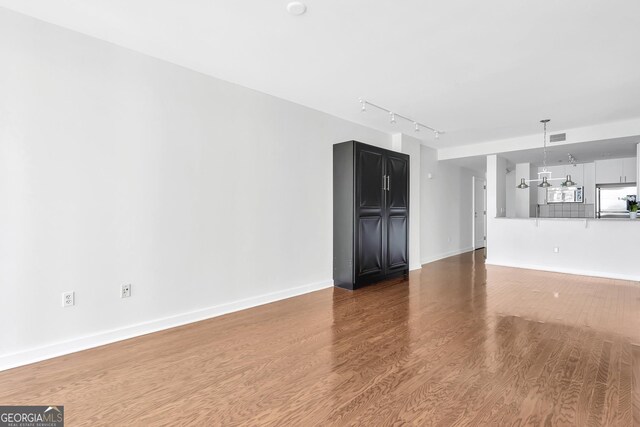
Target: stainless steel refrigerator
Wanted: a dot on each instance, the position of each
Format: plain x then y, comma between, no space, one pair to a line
612,200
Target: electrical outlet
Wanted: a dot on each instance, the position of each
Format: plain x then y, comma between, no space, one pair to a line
556,250
68,299
125,291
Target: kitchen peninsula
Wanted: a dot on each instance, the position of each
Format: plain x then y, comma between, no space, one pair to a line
568,244
600,189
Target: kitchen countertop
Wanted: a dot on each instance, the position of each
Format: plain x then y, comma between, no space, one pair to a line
574,219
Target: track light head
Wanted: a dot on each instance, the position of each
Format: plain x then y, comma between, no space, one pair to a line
437,134
392,118
416,128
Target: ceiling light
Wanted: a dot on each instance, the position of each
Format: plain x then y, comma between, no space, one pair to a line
522,184
545,179
296,8
393,116
568,182
544,183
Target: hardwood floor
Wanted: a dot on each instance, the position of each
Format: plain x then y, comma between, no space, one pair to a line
457,343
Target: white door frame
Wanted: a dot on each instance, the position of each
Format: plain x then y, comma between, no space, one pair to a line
474,180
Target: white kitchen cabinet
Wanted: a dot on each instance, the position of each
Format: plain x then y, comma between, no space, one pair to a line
629,169
616,171
556,172
608,171
589,183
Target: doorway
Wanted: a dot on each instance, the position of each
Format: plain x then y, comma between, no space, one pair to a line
479,213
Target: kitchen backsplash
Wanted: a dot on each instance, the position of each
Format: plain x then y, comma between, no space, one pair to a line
566,210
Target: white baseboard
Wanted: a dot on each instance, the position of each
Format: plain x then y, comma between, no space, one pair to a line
446,255
415,267
574,271
107,337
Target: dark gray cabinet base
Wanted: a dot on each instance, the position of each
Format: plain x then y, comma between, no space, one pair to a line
370,214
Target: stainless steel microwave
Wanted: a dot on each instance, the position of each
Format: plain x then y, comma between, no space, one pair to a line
565,194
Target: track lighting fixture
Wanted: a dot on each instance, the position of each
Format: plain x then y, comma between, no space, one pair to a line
522,184
392,117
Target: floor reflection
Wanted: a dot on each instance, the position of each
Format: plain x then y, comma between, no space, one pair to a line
460,342
371,337
606,305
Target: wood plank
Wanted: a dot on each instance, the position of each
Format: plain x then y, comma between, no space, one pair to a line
597,403
635,383
625,415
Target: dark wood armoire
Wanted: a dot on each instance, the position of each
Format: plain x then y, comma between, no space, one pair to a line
370,214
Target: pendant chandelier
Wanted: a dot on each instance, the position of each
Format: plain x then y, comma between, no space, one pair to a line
544,176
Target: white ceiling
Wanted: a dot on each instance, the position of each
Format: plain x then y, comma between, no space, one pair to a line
478,70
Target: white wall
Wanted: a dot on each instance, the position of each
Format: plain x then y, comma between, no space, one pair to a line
446,208
120,168
588,247
501,185
523,197
493,191
511,181
411,146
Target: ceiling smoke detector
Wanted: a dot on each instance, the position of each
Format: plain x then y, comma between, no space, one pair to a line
296,8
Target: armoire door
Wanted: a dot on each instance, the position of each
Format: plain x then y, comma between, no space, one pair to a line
397,213
370,207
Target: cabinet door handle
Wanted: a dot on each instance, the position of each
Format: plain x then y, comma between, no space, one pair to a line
384,183
388,183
